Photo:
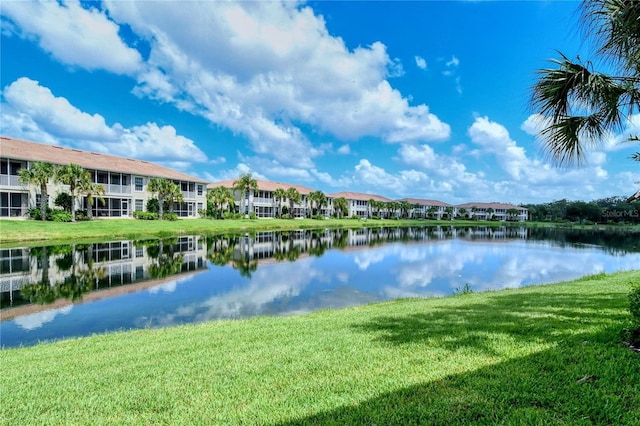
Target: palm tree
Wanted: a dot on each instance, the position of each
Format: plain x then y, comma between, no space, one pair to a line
462,212
245,184
431,211
490,211
319,198
405,206
294,197
449,212
39,174
279,195
74,176
580,105
167,191
220,196
340,205
512,213
91,191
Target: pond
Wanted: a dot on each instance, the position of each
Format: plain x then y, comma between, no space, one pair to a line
56,292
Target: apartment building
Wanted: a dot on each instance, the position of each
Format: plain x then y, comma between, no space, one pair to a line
493,211
358,202
263,202
124,180
430,209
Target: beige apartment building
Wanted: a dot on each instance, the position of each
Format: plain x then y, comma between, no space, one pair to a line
264,204
124,180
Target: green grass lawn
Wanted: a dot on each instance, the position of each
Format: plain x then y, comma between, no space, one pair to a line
538,355
29,232
13,232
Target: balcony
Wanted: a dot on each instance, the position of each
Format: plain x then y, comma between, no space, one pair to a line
10,180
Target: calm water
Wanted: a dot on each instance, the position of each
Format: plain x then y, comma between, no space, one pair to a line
58,292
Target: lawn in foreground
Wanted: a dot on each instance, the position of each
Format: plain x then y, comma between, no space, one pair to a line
538,355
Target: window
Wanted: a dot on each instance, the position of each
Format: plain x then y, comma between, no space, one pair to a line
139,205
199,190
139,182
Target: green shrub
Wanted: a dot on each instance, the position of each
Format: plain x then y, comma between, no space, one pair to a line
145,215
317,217
252,215
227,215
634,303
61,216
82,215
238,215
63,200
34,213
170,216
285,216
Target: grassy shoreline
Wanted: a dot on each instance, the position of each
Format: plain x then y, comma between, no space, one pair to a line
547,354
30,232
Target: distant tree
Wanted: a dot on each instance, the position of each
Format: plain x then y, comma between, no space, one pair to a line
319,199
75,176
279,195
245,184
512,213
93,191
431,211
294,197
219,197
340,206
166,190
405,206
449,212
40,173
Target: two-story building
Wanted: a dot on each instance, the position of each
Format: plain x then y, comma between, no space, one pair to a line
358,202
124,180
263,202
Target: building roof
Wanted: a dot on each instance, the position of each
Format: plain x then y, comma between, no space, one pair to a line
424,202
264,185
494,206
31,151
358,196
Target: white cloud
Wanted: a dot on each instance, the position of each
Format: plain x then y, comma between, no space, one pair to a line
421,63
453,63
56,121
344,150
55,115
73,35
258,67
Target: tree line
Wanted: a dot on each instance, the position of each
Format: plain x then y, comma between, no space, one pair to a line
616,209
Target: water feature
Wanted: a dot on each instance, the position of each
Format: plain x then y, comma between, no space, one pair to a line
57,292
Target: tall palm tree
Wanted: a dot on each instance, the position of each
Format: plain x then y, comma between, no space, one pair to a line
167,191
245,184
40,173
340,204
74,176
490,212
319,199
294,197
279,195
219,197
580,105
92,191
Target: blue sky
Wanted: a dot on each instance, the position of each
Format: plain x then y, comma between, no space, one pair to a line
421,99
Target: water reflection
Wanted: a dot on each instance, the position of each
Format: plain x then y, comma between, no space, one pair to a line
61,291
